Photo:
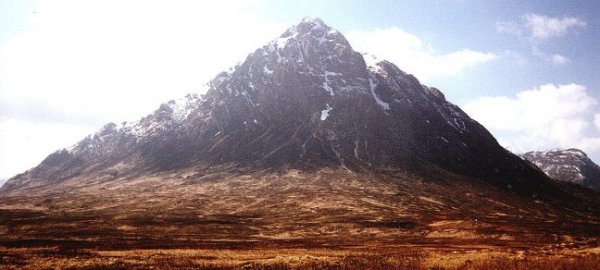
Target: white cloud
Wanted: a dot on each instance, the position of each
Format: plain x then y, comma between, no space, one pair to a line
100,56
560,59
25,143
597,121
412,55
549,116
514,57
543,27
557,59
79,64
540,28
510,28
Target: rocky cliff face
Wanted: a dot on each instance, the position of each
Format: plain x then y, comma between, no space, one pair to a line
568,165
306,100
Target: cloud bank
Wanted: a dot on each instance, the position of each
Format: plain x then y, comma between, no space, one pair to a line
545,27
548,116
80,64
538,29
412,55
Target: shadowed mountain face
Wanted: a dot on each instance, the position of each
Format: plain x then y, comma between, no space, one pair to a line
568,165
306,100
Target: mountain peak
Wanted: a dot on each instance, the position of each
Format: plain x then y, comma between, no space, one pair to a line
312,20
311,27
304,100
312,24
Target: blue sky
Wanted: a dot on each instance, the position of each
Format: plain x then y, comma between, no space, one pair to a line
527,70
453,25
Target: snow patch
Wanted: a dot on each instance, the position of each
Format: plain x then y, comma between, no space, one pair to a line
326,85
371,62
300,53
184,106
280,59
326,81
137,129
313,20
381,103
280,42
180,110
267,70
457,120
325,113
329,73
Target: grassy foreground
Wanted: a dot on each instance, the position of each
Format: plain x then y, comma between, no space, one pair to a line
326,219
292,258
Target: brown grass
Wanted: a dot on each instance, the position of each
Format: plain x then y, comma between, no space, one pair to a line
381,258
293,220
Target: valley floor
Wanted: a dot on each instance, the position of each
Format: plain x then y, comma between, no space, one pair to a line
292,220
367,257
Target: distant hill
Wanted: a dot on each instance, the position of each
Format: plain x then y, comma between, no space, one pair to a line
569,165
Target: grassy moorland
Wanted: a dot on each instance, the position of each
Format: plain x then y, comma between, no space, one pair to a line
296,258
293,220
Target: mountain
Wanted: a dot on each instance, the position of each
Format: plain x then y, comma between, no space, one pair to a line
305,100
304,143
568,165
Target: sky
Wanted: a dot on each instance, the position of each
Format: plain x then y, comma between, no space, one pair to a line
527,70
